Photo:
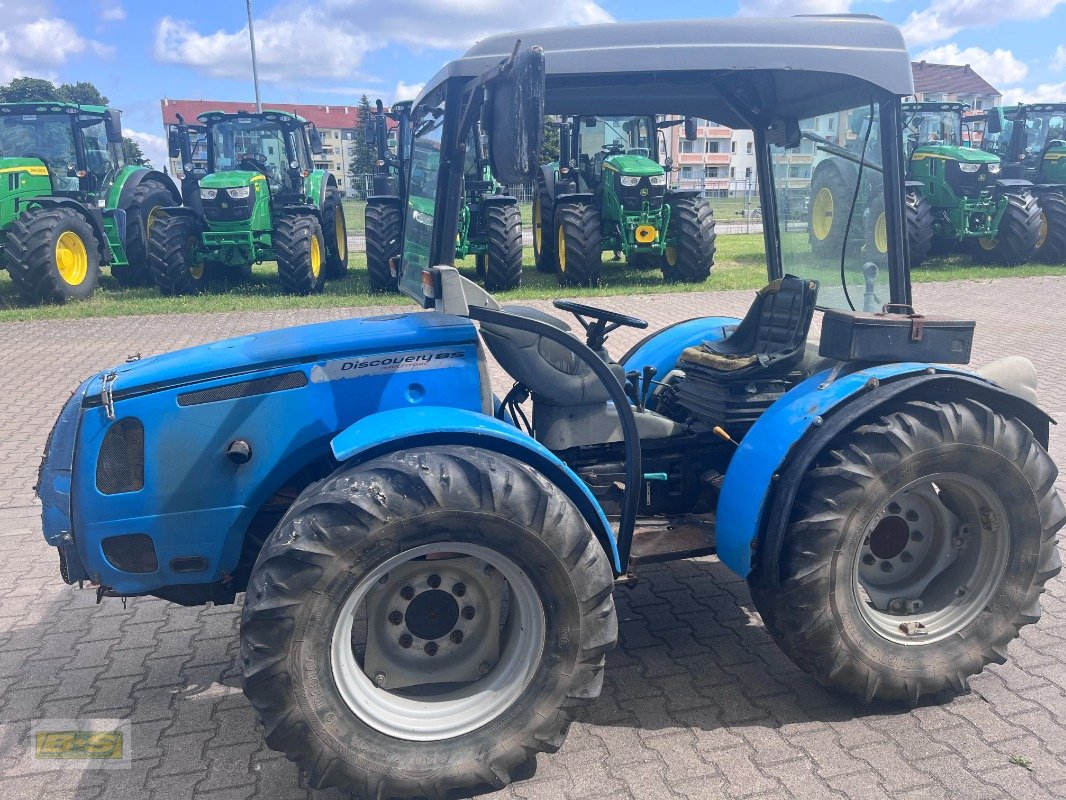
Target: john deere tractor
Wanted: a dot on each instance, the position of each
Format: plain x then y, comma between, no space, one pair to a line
608,192
260,199
1031,141
490,226
69,203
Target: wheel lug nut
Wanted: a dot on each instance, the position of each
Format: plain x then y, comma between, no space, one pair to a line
886,566
430,648
906,557
405,641
961,591
893,508
912,516
483,667
395,617
868,559
407,592
459,589
468,612
433,581
917,536
457,636
380,678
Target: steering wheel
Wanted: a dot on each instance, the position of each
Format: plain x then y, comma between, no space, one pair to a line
256,164
614,148
603,321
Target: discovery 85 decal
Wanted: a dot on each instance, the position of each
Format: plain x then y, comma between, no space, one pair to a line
392,363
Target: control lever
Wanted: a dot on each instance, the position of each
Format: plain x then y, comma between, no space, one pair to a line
646,385
632,388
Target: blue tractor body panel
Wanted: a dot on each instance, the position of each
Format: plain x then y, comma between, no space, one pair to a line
400,428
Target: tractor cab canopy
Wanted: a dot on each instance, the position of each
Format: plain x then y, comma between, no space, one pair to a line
271,142
1042,123
81,145
933,123
795,82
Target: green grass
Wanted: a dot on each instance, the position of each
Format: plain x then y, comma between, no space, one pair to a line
739,264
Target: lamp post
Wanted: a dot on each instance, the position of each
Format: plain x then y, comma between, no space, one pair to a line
255,66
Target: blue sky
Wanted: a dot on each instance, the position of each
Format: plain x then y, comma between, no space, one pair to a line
331,51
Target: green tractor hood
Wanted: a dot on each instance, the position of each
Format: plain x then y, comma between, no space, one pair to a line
954,152
230,180
628,164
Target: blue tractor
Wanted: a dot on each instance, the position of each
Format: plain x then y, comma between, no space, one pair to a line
428,569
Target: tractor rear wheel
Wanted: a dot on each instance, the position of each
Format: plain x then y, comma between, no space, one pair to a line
918,219
383,229
827,218
578,244
500,266
1051,246
52,255
690,255
423,624
335,231
1017,236
543,228
141,214
301,252
919,547
172,256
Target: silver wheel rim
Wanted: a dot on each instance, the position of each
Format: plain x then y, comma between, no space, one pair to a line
411,712
931,559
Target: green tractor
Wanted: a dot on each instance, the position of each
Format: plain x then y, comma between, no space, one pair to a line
608,192
69,203
1031,142
490,222
260,199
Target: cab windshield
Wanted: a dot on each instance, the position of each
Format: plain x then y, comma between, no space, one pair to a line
831,206
249,144
932,127
1041,128
49,137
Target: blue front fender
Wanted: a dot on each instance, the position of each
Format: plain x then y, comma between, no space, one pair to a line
768,444
403,428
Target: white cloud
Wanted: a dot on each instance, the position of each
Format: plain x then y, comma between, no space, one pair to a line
112,12
942,19
152,145
34,42
1044,93
1000,67
406,91
784,8
1058,61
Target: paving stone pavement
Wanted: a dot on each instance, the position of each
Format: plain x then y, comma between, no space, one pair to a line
697,702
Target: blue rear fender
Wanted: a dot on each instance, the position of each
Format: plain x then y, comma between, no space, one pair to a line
407,428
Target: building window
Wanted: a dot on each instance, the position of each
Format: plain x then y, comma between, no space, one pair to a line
687,146
710,172
732,147
747,172
732,172
748,149
688,173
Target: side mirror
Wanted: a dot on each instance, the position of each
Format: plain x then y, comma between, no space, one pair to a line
316,141
173,143
515,119
690,129
669,166
113,126
784,132
992,123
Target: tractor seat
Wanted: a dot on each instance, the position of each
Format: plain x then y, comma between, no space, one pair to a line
771,336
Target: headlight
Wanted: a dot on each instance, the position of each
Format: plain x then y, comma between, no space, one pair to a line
993,169
629,180
657,180
969,167
240,192
208,194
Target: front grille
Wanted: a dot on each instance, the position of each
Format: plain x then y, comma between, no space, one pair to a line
231,391
133,552
225,209
633,198
968,184
120,466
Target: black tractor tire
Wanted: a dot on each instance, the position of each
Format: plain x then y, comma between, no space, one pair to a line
690,258
643,261
827,217
817,612
335,231
148,196
544,228
170,254
875,229
383,232
33,255
1017,237
500,267
297,239
578,244
330,542
1051,247
918,221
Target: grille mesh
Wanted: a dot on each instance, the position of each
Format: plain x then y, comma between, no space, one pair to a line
231,391
120,467
133,552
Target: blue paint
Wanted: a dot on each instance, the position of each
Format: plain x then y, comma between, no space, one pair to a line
396,429
766,446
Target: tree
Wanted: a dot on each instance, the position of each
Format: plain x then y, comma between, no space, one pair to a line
362,163
83,93
549,150
30,90
133,154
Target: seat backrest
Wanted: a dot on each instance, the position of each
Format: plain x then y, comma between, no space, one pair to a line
778,321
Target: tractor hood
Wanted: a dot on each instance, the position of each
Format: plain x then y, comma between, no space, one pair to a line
230,180
954,152
12,166
628,164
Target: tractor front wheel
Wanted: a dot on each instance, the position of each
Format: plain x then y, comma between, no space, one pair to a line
918,219
827,217
141,215
919,547
53,255
301,252
500,266
383,231
335,231
421,625
543,228
689,253
172,256
578,244
1017,237
1051,246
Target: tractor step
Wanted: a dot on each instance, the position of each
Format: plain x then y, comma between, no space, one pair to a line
658,539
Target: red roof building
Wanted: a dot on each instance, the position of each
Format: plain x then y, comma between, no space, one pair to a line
950,83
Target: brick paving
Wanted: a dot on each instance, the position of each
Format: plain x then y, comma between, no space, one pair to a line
697,702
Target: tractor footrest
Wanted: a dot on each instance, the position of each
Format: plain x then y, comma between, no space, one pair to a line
671,538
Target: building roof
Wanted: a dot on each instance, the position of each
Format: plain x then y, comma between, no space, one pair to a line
322,116
949,78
